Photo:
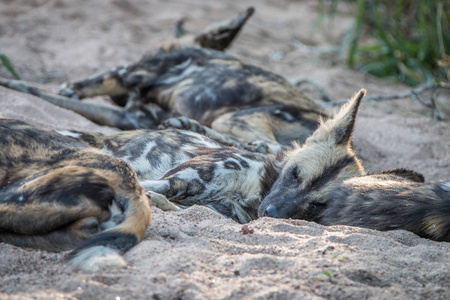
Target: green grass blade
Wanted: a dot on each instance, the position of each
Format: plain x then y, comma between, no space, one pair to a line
357,33
7,64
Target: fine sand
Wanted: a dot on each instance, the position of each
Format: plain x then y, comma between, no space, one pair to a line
197,253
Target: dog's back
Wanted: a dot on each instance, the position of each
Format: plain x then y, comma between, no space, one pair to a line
388,202
189,168
215,89
59,194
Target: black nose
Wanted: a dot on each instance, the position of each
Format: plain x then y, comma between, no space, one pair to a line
271,211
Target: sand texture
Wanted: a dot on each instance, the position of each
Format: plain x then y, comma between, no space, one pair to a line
196,253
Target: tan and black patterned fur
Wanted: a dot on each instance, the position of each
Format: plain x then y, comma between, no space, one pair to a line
323,181
188,168
60,194
216,94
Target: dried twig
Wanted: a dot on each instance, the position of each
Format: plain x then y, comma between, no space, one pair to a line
433,104
314,49
414,94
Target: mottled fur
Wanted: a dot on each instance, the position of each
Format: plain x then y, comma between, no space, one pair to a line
59,194
212,88
188,168
216,94
323,181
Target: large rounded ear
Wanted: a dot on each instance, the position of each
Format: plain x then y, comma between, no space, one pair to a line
340,127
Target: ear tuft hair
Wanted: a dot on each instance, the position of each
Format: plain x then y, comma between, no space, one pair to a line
344,130
340,127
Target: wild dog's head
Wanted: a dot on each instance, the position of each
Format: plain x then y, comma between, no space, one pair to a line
311,170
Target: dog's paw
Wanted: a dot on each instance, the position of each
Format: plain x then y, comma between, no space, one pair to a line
66,90
161,202
263,147
257,146
183,123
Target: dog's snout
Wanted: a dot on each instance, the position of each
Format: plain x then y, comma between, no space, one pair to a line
271,211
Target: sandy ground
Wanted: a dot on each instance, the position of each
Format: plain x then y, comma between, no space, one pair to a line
196,253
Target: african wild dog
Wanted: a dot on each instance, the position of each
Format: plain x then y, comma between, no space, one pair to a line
59,194
213,93
188,168
324,181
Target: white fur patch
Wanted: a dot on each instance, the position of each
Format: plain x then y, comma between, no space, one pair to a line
251,186
105,149
188,70
157,186
166,162
97,258
200,139
211,95
68,133
116,214
188,174
122,70
141,164
446,186
92,77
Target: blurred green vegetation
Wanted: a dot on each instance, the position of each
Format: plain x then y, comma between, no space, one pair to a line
408,39
7,64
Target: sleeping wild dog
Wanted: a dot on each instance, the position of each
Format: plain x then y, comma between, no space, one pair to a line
188,83
181,168
60,194
324,181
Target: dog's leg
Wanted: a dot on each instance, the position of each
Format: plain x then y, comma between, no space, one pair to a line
159,190
161,202
178,187
107,83
124,119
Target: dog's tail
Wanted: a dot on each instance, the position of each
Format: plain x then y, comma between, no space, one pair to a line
219,36
104,250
